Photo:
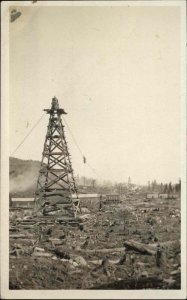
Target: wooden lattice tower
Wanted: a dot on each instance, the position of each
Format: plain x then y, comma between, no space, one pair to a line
56,177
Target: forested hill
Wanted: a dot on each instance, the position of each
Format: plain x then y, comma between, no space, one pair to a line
23,176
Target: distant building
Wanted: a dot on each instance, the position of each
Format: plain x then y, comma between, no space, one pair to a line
86,188
87,196
152,196
163,196
89,200
173,196
22,202
112,198
160,196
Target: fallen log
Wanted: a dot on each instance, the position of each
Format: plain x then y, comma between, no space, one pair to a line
139,247
14,229
20,208
99,261
168,243
110,250
37,249
42,254
20,236
67,219
26,226
149,249
26,221
22,223
45,223
55,241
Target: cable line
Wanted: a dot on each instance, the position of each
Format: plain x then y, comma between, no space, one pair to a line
73,138
72,135
93,170
21,143
78,147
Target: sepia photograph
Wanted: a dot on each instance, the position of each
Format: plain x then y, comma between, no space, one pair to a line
93,160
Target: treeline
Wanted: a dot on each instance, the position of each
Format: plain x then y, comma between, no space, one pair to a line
167,188
107,186
86,181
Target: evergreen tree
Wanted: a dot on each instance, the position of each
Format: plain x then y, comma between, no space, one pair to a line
165,188
149,186
161,187
170,188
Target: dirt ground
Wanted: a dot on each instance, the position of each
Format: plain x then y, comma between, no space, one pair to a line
114,248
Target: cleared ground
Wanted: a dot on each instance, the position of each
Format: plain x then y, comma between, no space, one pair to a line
114,248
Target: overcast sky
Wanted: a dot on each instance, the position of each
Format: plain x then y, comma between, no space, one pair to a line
116,71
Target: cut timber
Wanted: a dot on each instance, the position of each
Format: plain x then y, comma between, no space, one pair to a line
149,248
99,261
14,229
26,221
168,243
46,223
102,250
26,226
20,208
139,247
42,254
63,205
68,221
20,236
56,241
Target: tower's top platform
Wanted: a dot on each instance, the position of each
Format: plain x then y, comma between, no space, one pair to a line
55,108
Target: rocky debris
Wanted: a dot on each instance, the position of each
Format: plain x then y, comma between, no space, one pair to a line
131,284
85,210
144,274
104,268
37,249
123,259
18,251
56,241
84,217
80,261
170,282
175,273
61,253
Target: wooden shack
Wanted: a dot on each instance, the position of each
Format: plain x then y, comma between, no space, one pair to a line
152,195
112,198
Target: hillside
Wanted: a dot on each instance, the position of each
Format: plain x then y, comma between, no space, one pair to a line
23,176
